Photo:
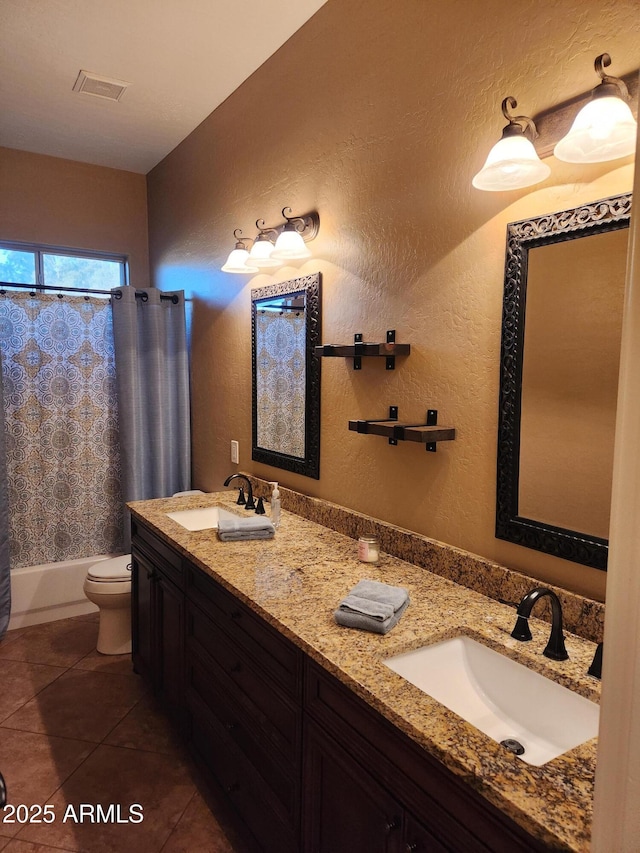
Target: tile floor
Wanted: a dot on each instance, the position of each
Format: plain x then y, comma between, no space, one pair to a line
79,728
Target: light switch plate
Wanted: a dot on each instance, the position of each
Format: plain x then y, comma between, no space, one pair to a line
235,452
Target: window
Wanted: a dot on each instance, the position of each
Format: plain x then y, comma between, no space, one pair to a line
61,269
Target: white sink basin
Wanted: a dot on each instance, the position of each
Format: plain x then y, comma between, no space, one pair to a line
205,518
502,698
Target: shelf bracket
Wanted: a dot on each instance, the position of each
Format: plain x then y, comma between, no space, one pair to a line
393,416
391,359
359,349
432,420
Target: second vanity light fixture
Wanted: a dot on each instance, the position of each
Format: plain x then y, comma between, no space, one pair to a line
512,162
274,246
603,130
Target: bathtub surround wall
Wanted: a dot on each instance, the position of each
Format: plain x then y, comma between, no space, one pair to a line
50,591
401,107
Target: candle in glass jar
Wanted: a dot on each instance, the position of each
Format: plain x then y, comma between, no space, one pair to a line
368,549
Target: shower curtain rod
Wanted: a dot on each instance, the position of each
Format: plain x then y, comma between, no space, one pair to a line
35,288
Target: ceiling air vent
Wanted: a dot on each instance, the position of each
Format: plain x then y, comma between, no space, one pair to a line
100,87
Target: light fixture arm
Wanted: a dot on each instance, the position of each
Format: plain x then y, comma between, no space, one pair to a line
604,88
240,241
263,229
307,225
517,124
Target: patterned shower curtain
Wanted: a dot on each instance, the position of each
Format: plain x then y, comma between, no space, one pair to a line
61,427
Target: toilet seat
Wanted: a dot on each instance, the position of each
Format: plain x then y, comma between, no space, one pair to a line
115,570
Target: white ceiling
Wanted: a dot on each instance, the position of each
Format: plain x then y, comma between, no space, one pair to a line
182,57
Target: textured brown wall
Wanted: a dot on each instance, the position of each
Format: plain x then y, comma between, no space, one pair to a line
64,203
378,114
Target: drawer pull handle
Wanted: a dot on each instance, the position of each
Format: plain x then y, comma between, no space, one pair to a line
231,727
392,824
232,788
412,847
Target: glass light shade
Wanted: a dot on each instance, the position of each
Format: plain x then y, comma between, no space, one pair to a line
237,262
290,246
604,129
512,163
260,254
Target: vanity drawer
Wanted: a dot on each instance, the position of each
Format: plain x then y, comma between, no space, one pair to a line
272,653
249,794
262,703
214,701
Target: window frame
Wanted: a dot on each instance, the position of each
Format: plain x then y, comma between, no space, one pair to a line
41,249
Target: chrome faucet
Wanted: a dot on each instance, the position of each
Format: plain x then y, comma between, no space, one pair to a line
555,648
250,504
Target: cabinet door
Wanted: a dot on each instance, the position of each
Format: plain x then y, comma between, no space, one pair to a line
168,613
418,839
345,809
143,644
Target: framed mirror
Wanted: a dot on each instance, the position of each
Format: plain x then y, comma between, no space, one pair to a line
285,328
561,332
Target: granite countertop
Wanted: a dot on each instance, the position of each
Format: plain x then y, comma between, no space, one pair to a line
295,582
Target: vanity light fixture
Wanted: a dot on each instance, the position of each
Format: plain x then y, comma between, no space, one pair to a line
605,128
290,245
238,257
262,249
513,162
264,255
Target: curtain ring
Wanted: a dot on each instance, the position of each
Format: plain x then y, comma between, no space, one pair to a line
117,294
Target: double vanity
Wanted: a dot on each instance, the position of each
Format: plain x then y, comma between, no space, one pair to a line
328,739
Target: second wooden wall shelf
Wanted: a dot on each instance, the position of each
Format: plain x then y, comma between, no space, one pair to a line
428,433
390,349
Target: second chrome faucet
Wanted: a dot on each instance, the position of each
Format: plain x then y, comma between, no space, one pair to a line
555,648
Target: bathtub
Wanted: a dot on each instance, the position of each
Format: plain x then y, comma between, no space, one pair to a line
50,591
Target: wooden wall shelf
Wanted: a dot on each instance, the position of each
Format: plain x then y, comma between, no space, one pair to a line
390,349
428,433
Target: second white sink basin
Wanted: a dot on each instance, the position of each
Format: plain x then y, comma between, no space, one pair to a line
504,699
204,518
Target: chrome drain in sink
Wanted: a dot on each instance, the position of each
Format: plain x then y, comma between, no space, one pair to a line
513,746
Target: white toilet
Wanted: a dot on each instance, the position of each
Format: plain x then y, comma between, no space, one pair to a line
108,584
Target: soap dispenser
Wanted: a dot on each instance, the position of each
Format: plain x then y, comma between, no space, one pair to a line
275,504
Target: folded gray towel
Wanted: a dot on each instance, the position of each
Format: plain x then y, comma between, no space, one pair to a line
376,609
382,592
372,606
351,619
241,529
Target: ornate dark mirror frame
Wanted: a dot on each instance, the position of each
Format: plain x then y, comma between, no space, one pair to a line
605,215
309,465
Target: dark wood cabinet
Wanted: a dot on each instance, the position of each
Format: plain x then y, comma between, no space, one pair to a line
346,809
158,620
427,807
307,765
244,711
